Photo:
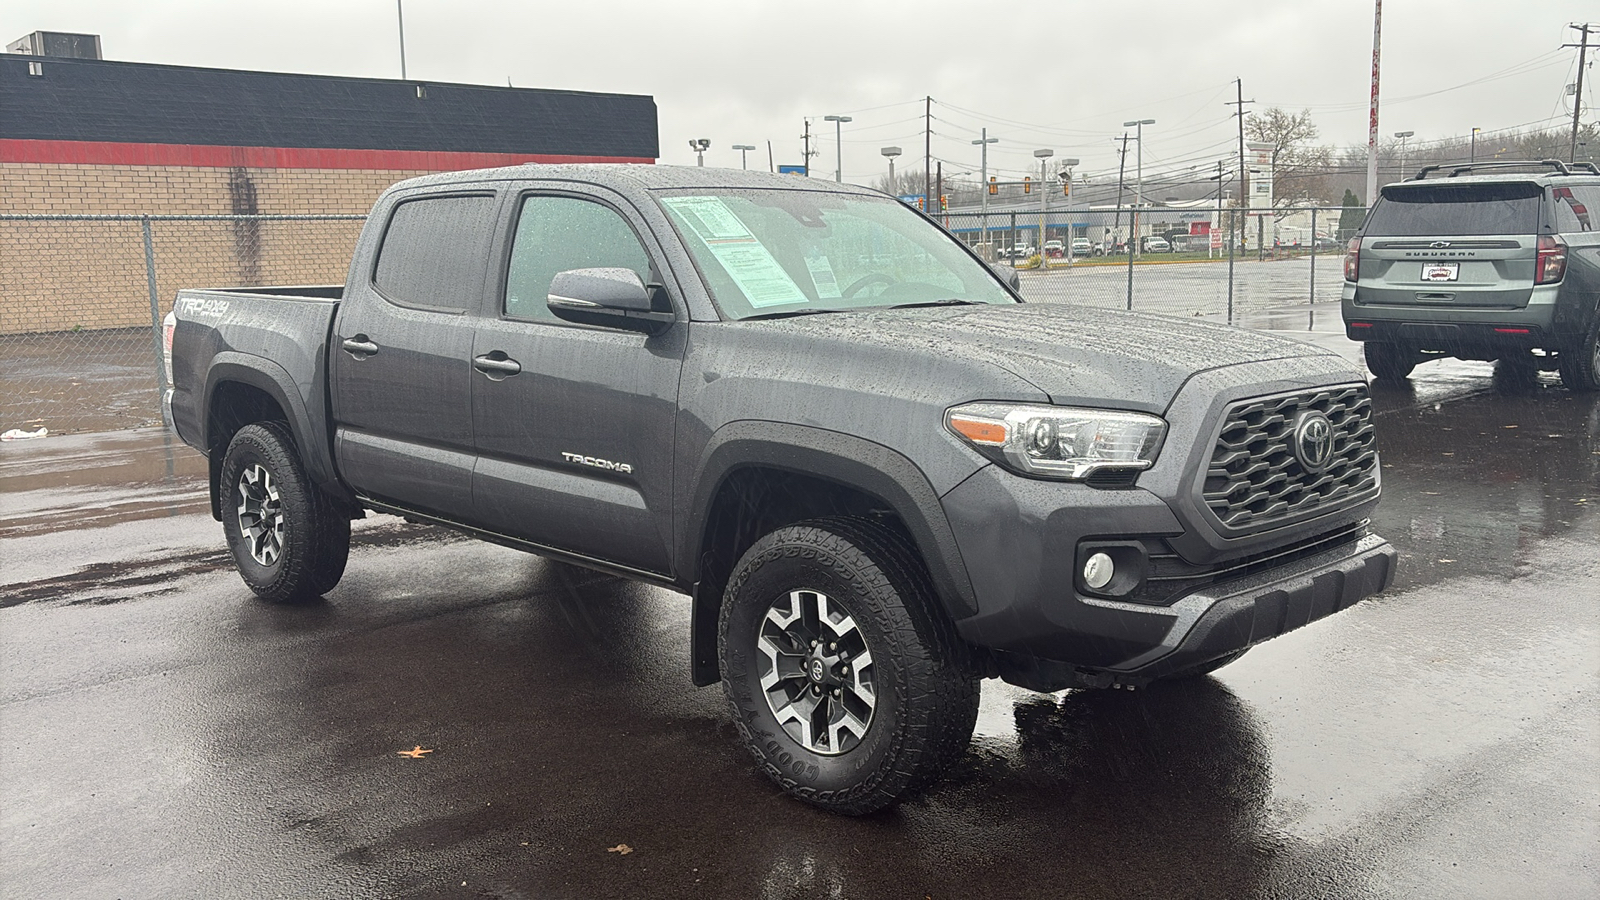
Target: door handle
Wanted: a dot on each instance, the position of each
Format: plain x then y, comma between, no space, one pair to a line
359,346
492,366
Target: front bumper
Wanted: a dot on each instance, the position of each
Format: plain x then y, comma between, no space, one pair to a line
1232,616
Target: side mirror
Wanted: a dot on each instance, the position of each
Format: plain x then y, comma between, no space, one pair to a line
608,297
1007,275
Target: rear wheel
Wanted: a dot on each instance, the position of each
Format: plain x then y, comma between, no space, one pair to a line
1389,362
1580,366
289,540
848,685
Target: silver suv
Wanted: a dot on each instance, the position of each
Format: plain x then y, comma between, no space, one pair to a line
1499,265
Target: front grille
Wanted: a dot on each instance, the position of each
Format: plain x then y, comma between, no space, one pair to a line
1256,481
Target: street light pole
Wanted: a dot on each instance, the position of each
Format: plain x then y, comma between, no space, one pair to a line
742,148
1066,179
1475,144
1402,135
1044,198
890,153
700,146
400,15
1138,191
984,142
838,144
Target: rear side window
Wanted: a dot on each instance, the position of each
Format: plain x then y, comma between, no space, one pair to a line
555,234
1575,207
435,251
1453,210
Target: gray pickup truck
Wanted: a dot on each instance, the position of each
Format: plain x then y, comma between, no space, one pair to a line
878,474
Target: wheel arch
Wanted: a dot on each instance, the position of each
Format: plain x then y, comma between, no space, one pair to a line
758,476
242,389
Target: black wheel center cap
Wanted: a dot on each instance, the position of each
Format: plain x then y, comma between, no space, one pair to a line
821,669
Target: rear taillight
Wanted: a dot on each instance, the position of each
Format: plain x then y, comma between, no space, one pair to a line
1352,260
1552,264
168,325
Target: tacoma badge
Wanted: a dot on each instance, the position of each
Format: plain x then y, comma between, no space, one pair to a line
607,464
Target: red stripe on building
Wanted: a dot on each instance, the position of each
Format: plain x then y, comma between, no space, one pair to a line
99,153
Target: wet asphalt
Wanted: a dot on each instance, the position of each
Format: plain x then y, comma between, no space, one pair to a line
164,735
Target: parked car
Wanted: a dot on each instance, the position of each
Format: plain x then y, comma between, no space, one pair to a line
1156,244
1497,261
878,484
1082,247
1054,249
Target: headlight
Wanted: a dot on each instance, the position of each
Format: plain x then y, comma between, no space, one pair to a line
1060,442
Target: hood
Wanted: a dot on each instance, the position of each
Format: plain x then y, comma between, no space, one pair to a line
1076,355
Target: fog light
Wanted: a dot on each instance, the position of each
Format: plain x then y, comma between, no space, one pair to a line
1098,570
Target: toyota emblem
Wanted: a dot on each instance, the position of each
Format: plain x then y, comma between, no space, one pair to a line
1313,441
816,670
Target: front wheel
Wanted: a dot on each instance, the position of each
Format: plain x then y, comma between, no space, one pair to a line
1388,362
1580,366
289,540
848,685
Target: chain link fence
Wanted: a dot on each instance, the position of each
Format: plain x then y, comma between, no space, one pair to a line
1180,263
82,297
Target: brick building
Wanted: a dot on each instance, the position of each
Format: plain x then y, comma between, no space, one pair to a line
94,137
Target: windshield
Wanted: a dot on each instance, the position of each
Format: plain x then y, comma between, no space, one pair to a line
1451,210
766,252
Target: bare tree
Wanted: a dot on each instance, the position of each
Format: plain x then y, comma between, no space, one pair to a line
1294,154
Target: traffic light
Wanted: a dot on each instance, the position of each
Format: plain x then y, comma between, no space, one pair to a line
919,203
1027,184
1066,189
993,188
944,202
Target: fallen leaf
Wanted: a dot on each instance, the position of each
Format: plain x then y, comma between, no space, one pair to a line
414,753
1508,426
1447,560
620,849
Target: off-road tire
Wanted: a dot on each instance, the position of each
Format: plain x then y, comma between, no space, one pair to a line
315,542
924,679
1580,366
1206,668
1389,362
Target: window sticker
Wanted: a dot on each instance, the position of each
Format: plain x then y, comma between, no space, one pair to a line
822,276
746,260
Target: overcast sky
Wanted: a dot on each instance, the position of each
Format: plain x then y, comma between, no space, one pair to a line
1060,75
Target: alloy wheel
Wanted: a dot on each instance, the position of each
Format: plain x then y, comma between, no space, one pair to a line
816,672
260,514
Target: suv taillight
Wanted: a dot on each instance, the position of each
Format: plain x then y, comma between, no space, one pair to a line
1552,264
1352,260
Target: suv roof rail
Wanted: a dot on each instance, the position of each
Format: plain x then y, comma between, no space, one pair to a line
1558,165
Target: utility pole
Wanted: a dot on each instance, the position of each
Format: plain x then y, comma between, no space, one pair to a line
805,152
927,147
1577,99
1239,102
1372,112
938,188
